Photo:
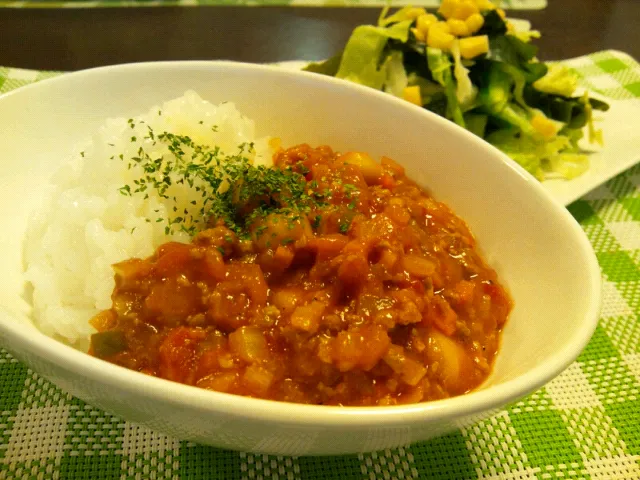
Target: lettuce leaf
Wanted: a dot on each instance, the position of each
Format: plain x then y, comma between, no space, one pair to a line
328,67
361,59
396,76
557,158
466,92
440,67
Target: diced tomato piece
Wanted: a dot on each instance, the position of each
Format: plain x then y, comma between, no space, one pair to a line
178,354
440,313
171,300
172,258
387,181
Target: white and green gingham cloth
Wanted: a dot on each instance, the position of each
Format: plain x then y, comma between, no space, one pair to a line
585,424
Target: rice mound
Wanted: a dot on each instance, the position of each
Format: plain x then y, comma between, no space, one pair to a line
86,224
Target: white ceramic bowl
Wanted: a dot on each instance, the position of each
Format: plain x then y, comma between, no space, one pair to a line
539,251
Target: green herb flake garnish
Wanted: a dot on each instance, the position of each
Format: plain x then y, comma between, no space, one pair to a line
231,190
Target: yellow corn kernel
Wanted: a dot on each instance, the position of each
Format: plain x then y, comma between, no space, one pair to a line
412,94
421,37
473,46
485,5
544,126
425,21
458,27
439,38
474,22
501,12
510,28
441,27
447,7
464,9
414,12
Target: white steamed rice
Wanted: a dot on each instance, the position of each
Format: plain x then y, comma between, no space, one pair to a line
87,225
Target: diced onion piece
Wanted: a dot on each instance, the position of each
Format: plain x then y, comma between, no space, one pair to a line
220,382
410,370
287,299
257,378
454,364
417,266
371,170
360,347
249,344
307,317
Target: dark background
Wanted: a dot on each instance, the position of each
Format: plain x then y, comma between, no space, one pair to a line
71,39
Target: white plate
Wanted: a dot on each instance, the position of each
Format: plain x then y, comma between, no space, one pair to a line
621,127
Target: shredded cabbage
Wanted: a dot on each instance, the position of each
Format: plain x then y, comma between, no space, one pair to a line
559,80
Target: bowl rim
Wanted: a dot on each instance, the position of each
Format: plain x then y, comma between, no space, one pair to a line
284,413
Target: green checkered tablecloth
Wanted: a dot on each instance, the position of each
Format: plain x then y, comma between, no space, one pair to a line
585,424
510,4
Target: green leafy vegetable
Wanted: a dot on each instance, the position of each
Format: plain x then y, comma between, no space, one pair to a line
106,344
329,67
366,43
504,95
440,66
396,75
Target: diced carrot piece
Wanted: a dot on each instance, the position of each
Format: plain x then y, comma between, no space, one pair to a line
387,181
283,256
104,320
464,291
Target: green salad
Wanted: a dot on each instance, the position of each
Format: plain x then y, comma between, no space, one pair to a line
469,64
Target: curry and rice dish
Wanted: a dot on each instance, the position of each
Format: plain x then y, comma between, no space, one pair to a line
325,278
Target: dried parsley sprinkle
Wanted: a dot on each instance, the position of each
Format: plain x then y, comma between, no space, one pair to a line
232,191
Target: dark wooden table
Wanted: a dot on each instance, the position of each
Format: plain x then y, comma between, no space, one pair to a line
71,39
